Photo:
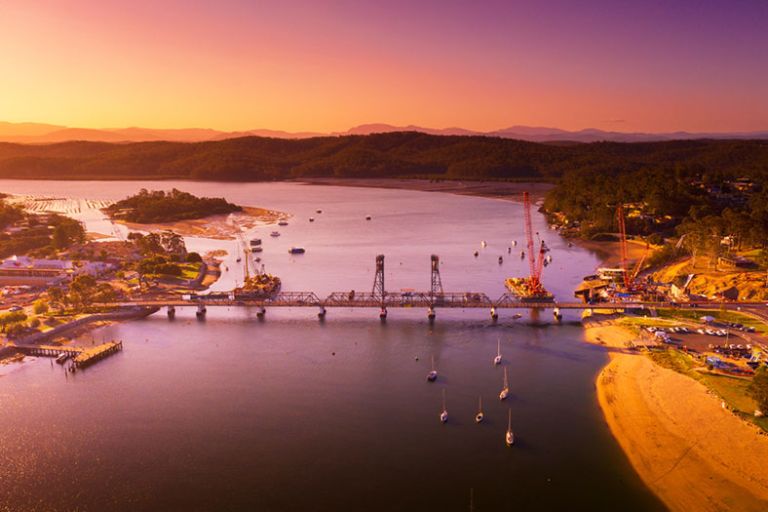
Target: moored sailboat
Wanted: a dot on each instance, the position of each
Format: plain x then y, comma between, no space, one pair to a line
444,412
479,416
505,390
509,437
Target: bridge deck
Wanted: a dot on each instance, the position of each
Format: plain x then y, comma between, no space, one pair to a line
466,300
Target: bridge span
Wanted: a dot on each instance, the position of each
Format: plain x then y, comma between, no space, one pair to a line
383,300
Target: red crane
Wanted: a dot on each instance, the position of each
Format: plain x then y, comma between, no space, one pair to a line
536,262
623,244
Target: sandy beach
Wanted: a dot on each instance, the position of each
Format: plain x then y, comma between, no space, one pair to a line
688,449
218,227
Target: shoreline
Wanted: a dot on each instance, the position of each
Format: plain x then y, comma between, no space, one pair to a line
215,227
508,190
690,451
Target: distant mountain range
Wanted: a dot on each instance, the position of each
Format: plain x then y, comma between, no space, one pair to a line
38,133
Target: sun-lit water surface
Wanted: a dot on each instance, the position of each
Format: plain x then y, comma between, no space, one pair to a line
293,414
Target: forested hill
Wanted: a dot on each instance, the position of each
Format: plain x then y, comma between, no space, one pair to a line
376,155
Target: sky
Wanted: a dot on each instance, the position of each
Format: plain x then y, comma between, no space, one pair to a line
326,65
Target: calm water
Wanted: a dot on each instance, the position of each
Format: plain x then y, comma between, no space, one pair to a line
292,414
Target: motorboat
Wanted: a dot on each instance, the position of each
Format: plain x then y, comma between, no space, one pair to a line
255,241
483,244
258,248
297,250
497,359
504,394
368,217
479,416
501,260
311,219
282,223
274,234
319,211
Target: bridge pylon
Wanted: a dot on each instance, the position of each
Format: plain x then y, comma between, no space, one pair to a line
379,293
436,284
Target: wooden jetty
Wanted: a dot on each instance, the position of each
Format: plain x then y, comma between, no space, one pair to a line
81,356
91,355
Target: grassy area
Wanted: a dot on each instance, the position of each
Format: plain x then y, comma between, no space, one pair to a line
674,360
733,390
189,270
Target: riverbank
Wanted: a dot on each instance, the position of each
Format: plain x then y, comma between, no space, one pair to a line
217,227
688,449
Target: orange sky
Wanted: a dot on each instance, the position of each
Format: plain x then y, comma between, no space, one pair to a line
330,65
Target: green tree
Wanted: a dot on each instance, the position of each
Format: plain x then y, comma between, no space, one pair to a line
40,307
758,389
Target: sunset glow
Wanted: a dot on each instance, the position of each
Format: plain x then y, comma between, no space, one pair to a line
326,66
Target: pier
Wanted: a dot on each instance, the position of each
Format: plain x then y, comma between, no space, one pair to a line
81,356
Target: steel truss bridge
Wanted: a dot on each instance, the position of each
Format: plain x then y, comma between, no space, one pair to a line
382,299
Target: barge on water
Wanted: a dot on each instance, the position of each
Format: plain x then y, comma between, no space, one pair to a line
522,287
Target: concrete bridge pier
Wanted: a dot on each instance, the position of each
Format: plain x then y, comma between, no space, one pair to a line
261,313
494,314
431,314
321,313
383,314
201,311
171,312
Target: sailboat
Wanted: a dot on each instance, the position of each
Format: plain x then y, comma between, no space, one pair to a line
479,416
509,438
497,359
444,413
505,390
432,375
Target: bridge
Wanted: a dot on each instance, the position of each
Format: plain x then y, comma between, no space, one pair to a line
379,298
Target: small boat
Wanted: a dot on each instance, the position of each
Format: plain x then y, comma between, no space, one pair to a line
368,217
297,250
62,358
432,375
501,260
255,241
479,416
257,259
444,412
476,254
514,243
311,219
282,223
274,234
483,244
522,255
509,437
505,390
517,315
319,211
497,359
239,259
509,250
258,248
